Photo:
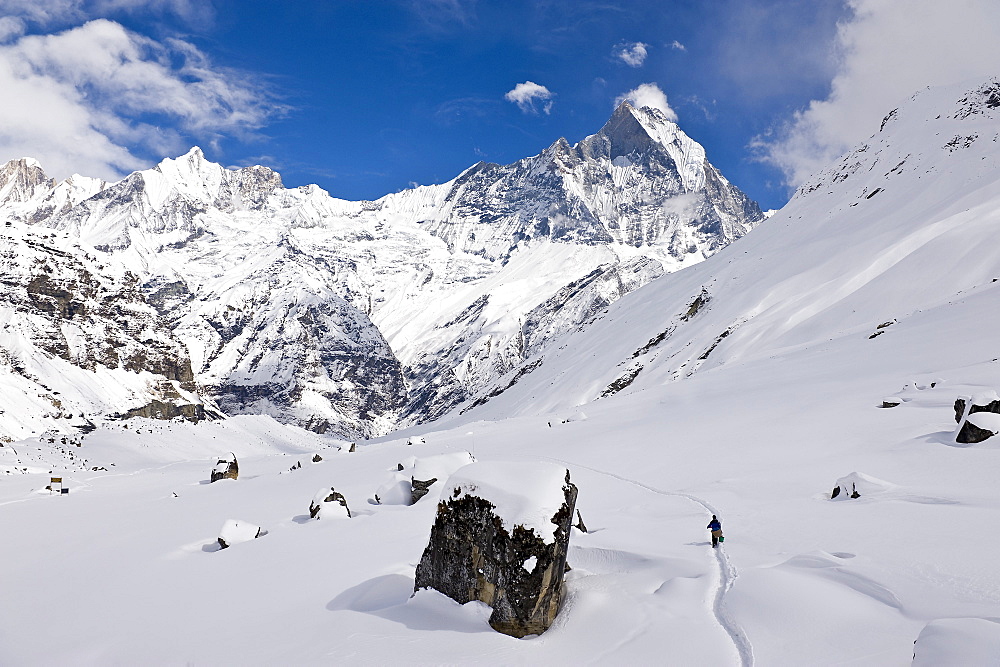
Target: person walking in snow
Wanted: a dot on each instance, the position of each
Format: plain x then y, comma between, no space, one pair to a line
716,527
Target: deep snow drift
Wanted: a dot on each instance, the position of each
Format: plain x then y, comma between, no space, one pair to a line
747,386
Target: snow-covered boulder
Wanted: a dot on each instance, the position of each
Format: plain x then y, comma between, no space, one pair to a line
987,401
858,484
500,537
978,417
978,427
414,477
428,470
397,490
226,468
957,641
235,531
329,503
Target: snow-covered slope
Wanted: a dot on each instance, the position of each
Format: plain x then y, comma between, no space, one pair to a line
841,301
353,316
899,227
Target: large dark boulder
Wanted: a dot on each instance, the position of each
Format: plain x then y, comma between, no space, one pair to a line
978,427
489,544
978,417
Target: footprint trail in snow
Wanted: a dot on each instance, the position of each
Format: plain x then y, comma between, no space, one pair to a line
727,571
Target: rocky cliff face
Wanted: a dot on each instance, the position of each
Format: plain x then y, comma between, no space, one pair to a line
78,339
354,317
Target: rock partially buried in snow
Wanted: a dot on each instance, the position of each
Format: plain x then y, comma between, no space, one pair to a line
426,471
328,503
500,537
856,485
414,477
979,427
891,402
235,531
397,490
978,417
987,401
226,468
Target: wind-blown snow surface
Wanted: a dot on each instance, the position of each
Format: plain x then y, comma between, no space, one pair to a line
756,425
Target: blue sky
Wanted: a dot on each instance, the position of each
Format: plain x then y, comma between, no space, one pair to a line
366,97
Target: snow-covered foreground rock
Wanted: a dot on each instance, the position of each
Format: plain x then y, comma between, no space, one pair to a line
746,386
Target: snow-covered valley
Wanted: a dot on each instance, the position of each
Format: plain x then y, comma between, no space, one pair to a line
748,386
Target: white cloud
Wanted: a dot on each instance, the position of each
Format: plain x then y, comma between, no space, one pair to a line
525,94
633,55
677,46
10,28
49,13
95,98
648,95
888,49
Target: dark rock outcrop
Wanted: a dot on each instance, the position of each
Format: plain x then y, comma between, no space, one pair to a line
192,412
420,488
580,525
981,403
974,429
971,432
475,553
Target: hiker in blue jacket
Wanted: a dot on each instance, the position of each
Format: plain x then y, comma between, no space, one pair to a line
716,527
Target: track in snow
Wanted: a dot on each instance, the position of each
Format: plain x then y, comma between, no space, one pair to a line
727,571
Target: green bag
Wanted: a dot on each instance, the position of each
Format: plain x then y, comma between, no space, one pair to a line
721,538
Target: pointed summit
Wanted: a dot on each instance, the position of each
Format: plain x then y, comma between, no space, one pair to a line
647,135
22,179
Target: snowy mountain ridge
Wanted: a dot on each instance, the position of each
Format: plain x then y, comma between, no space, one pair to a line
802,385
894,228
357,316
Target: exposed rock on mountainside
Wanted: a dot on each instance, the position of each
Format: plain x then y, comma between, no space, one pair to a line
353,317
79,338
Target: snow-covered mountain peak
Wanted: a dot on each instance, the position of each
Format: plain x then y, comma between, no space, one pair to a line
636,135
22,179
